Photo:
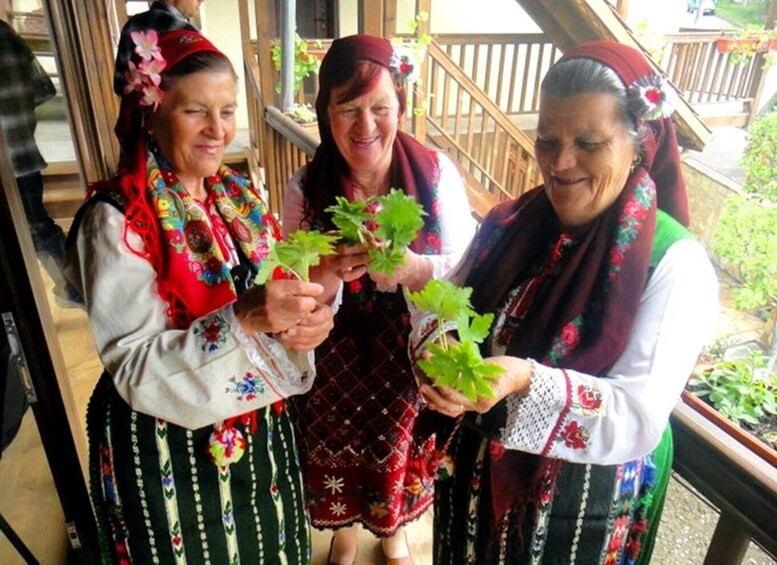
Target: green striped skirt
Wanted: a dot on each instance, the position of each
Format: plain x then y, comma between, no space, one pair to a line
158,498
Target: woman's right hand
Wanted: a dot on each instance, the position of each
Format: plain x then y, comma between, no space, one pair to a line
347,264
276,306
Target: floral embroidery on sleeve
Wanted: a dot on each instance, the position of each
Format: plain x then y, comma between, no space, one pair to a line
212,332
574,436
247,387
588,400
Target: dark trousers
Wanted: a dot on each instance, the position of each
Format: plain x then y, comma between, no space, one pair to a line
48,238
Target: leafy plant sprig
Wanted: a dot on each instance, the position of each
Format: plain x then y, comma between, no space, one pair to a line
296,254
460,365
385,225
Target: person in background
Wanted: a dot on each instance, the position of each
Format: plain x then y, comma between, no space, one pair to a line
364,451
24,85
192,452
602,303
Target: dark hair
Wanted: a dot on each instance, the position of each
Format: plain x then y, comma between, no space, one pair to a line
208,61
586,76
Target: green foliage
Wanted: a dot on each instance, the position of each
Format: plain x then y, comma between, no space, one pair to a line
386,225
746,235
460,365
760,158
300,251
305,63
303,113
741,390
742,14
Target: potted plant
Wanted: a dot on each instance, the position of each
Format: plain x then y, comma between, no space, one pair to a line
307,61
745,43
739,394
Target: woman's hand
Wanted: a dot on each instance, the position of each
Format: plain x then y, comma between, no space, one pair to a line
347,264
515,379
413,275
276,306
310,332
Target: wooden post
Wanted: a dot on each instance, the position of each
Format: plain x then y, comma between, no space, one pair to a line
729,542
371,17
759,74
421,87
81,41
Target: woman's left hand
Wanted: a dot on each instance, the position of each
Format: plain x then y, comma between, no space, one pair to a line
413,275
515,379
310,331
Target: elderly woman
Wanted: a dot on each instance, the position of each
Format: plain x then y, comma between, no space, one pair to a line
192,454
602,303
364,455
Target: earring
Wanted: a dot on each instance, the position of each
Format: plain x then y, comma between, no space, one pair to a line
635,163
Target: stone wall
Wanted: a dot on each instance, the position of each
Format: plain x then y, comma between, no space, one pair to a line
708,191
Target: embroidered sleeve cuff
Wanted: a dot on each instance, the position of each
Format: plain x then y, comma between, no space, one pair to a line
291,372
532,420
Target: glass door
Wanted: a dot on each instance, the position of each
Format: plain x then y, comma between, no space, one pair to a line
47,369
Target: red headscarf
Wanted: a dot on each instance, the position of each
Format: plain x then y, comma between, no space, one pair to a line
414,168
582,317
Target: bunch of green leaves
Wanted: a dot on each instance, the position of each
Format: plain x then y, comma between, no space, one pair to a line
746,237
741,389
457,365
296,254
305,63
385,233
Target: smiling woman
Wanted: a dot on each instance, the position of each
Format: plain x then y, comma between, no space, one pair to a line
191,450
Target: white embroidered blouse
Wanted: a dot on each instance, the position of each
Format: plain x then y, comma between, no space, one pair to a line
584,419
194,377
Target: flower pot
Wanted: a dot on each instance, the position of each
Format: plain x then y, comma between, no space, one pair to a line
744,45
740,435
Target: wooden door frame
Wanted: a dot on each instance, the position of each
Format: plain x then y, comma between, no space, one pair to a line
22,294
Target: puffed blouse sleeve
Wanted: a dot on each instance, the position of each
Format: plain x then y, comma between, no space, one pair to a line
584,419
193,377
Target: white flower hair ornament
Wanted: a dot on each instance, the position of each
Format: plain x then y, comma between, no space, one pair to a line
405,62
656,94
145,77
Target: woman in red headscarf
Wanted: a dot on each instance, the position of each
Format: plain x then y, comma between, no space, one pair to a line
192,455
602,303
364,453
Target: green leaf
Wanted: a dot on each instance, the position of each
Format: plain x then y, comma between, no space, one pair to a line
399,218
300,251
461,367
443,299
349,218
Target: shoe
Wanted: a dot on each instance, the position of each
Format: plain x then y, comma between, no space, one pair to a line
329,555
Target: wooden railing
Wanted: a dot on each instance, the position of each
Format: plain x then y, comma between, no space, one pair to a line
508,68
708,78
495,157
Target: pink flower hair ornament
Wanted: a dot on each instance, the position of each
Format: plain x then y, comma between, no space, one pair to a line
145,77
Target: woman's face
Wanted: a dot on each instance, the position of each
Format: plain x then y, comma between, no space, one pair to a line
585,154
364,128
195,123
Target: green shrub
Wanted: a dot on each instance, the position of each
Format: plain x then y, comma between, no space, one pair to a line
746,236
760,158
